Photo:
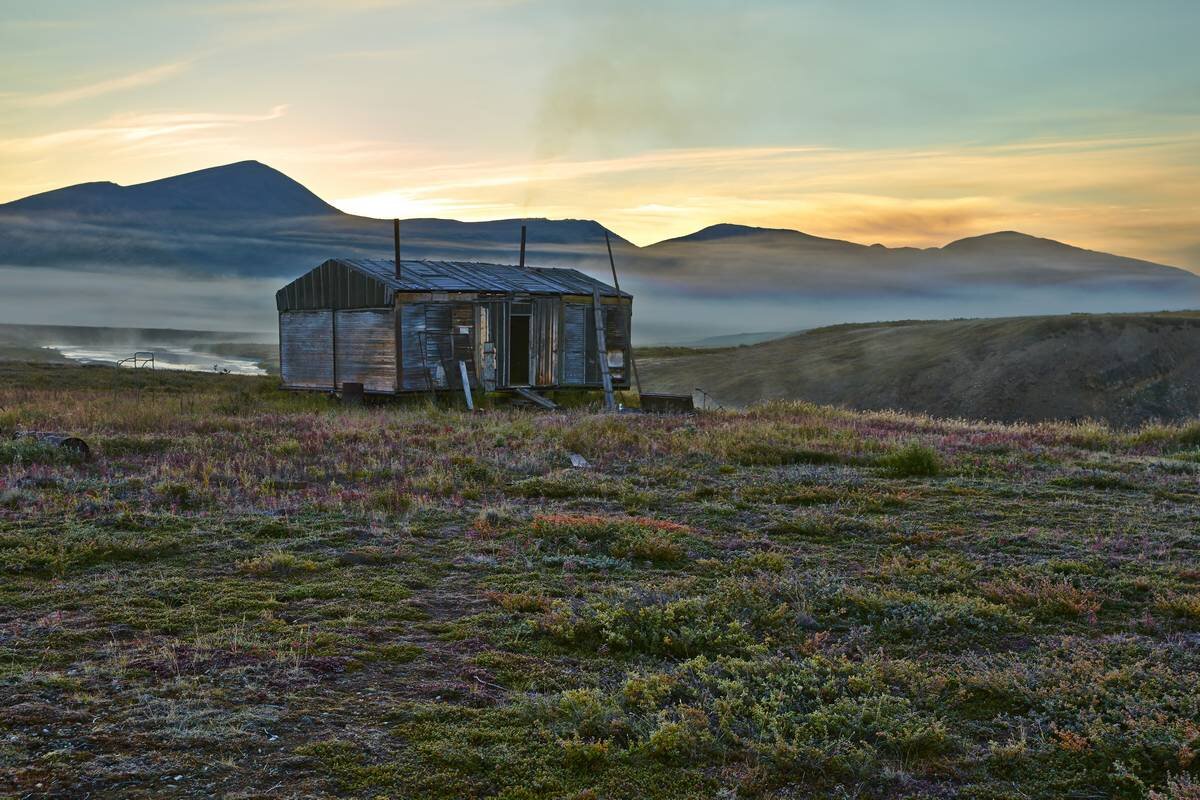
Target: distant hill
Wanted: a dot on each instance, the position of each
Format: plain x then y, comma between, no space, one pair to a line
246,187
243,227
767,258
1123,368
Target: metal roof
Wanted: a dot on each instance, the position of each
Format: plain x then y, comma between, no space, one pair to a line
473,276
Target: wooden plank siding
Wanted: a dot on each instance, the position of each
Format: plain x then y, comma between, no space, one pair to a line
306,349
365,352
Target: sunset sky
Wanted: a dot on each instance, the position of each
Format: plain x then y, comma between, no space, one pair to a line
909,123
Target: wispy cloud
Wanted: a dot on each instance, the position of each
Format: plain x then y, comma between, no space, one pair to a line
132,128
133,80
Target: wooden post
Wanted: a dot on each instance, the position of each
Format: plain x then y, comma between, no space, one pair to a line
466,382
610,402
333,337
396,240
637,380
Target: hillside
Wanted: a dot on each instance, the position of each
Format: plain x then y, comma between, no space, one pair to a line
1122,368
246,593
241,229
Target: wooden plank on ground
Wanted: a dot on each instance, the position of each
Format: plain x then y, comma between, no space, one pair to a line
466,385
534,397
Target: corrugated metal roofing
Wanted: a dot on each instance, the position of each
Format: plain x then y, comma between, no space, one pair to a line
472,276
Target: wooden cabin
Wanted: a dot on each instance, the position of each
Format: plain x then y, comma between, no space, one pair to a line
396,331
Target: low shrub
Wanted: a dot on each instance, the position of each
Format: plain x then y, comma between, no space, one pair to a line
641,538
1048,597
913,460
277,565
827,720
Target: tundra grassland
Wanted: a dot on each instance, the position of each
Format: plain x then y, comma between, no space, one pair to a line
247,593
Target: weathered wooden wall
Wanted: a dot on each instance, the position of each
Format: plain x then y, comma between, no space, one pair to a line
365,349
306,349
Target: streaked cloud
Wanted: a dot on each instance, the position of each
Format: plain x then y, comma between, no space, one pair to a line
120,83
133,128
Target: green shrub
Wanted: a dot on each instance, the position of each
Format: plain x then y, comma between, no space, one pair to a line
641,538
277,565
913,460
391,500
682,736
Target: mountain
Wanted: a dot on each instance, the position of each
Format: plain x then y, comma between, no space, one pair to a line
1125,369
246,187
247,219
242,228
832,266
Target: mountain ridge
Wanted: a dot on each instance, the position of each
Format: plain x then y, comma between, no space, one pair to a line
251,171
248,221
240,187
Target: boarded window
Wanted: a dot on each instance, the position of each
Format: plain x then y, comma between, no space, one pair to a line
306,349
616,340
575,325
415,372
435,337
366,349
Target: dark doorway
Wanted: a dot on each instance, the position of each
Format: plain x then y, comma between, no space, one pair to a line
518,350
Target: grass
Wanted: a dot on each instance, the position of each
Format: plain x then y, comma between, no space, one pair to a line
268,595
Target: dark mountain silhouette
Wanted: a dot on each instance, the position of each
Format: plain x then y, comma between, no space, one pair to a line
246,187
250,220
771,259
247,220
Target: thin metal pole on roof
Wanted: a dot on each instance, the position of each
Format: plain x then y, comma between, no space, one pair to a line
396,239
522,261
637,380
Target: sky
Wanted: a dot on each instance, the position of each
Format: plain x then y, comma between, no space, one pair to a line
910,123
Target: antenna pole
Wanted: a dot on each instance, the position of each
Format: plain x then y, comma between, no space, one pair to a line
396,239
522,261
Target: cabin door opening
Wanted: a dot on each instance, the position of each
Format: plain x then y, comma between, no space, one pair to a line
518,349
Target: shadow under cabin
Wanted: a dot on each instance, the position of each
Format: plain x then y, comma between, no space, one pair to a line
405,330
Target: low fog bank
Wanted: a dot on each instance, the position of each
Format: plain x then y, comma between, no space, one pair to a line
663,315
243,309
46,296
